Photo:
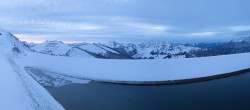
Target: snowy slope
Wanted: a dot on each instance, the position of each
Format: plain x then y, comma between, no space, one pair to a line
96,48
18,91
75,52
59,48
52,47
106,48
9,43
12,93
29,44
84,50
154,49
125,48
162,50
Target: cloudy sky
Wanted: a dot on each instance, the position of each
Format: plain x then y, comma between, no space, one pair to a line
126,20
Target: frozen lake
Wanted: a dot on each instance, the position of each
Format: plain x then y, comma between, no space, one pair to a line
232,93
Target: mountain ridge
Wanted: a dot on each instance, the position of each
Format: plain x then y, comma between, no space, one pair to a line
153,49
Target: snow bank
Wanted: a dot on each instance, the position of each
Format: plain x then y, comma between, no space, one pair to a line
138,70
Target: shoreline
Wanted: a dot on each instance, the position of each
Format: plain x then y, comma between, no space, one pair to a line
174,82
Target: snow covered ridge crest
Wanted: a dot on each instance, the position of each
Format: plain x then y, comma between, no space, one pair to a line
10,44
115,50
153,49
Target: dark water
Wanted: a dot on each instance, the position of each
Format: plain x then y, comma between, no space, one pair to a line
232,93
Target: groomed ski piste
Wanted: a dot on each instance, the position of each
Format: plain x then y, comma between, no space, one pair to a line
19,91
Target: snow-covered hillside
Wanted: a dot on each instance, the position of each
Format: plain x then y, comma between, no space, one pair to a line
163,50
52,47
18,91
96,49
9,43
60,49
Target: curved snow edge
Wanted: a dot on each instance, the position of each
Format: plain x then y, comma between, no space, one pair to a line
176,82
166,82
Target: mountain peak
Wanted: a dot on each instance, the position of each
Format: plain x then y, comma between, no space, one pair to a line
54,41
8,42
242,39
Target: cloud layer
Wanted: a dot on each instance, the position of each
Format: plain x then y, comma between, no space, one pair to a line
125,20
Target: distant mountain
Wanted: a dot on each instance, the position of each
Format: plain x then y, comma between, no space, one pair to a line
85,50
99,50
146,50
241,40
115,50
154,49
241,45
60,49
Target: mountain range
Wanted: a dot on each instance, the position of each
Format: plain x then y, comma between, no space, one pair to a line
154,49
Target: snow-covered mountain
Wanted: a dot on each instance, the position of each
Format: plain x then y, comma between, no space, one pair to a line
9,43
242,39
115,50
52,47
154,50
241,45
18,90
146,50
84,50
98,50
60,49
163,50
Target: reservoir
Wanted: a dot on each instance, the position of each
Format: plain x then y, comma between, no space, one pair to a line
231,93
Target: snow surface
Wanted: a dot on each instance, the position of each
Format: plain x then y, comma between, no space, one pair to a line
75,52
18,91
106,48
8,42
52,79
138,70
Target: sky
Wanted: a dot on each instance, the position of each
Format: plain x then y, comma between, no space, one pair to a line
126,20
